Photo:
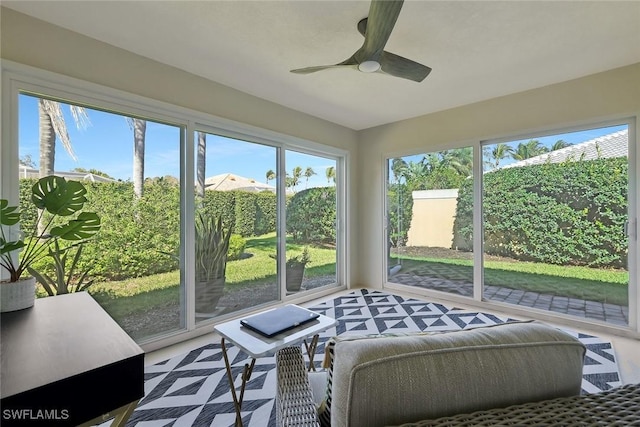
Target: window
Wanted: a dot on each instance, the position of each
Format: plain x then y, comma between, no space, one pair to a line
311,219
423,221
167,182
551,213
130,169
555,210
241,196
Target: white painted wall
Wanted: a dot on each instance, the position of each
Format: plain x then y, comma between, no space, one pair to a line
432,218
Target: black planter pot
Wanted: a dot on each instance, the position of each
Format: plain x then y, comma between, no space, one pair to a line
208,294
295,274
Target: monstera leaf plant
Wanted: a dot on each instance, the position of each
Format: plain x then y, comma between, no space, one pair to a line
56,200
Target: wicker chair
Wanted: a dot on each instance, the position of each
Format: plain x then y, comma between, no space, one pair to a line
616,407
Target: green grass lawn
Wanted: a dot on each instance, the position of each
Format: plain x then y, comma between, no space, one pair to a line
124,297
580,282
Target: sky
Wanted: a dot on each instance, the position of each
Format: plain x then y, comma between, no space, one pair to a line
106,144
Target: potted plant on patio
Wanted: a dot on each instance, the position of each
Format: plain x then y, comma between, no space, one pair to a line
212,246
54,197
295,270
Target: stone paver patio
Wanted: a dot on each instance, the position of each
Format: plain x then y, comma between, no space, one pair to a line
610,313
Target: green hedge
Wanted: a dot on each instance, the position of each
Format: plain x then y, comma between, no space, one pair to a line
311,215
136,236
570,213
399,212
266,218
250,214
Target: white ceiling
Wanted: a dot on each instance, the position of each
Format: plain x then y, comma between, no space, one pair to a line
477,49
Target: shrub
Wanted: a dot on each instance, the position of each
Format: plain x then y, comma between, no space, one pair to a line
311,215
570,213
400,212
237,244
136,235
245,213
265,221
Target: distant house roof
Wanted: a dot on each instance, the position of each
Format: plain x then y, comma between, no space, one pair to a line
612,145
27,172
229,182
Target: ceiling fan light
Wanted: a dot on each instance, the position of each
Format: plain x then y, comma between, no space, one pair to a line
369,66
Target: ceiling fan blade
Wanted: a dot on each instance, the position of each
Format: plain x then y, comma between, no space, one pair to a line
402,67
371,57
381,20
309,70
351,62
362,26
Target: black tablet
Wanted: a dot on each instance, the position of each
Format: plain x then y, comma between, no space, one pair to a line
273,322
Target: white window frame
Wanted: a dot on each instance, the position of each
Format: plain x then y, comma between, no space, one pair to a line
18,78
633,328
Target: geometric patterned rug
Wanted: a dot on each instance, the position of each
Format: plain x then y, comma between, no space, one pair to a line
192,389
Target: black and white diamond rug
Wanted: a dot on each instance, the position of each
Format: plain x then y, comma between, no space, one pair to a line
192,389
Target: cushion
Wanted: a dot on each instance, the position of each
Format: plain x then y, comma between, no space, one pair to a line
324,407
377,382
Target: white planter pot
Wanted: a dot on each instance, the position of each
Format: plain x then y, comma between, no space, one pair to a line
17,295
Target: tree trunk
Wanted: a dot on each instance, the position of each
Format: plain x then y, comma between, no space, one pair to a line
47,142
201,163
47,150
139,129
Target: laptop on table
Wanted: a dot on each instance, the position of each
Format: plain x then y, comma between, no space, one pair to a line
273,322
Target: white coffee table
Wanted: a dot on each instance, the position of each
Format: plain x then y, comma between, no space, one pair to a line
256,345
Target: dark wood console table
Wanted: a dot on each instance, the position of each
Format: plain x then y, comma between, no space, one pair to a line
66,362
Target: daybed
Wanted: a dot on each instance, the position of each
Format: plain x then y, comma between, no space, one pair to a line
414,378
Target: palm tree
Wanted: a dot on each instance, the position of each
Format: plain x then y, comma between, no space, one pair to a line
52,124
139,128
27,161
270,175
288,182
308,173
458,159
330,173
531,148
201,163
295,177
398,165
561,143
415,173
500,151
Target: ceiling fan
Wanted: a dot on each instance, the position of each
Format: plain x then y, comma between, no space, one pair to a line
372,57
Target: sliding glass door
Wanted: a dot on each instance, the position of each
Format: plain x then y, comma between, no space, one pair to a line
311,222
130,167
555,215
550,212
198,221
427,244
235,225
